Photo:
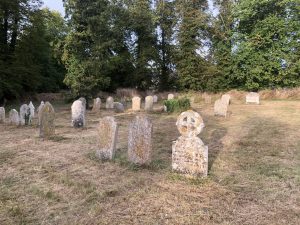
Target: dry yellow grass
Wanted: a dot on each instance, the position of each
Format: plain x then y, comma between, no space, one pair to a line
254,172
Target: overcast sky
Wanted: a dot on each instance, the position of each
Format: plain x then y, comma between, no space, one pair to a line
55,5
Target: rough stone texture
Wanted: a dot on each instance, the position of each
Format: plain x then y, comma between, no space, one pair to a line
47,121
170,96
109,103
136,103
220,108
149,103
32,109
252,98
107,138
14,117
83,100
155,99
139,140
96,105
207,99
119,107
189,154
226,98
25,115
39,111
78,114
2,114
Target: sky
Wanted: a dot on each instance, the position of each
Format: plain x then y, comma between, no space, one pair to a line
55,5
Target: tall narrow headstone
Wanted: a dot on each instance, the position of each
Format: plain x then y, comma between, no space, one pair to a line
107,138
220,108
96,105
25,115
155,98
32,109
252,98
78,114
2,115
226,98
170,96
139,140
47,121
189,154
136,103
109,103
149,103
39,111
14,117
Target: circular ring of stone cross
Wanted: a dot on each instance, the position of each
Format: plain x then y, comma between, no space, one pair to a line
190,123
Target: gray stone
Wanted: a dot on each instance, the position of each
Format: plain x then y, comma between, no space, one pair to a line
119,107
32,109
109,103
149,103
78,114
107,138
39,111
96,105
252,98
83,100
136,103
139,140
170,96
220,108
189,154
155,98
14,117
25,115
226,98
2,115
47,121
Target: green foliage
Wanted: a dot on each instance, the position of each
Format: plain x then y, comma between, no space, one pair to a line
177,105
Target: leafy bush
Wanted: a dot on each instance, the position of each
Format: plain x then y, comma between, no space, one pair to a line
177,105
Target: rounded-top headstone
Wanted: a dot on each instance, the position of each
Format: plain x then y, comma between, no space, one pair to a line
96,105
109,103
136,103
190,123
47,118
155,98
226,98
14,117
149,103
25,115
78,114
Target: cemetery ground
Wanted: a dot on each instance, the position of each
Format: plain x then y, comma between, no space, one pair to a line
254,171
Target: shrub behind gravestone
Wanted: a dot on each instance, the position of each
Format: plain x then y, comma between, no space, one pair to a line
177,105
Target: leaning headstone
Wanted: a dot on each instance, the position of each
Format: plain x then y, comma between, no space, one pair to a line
25,115
47,117
14,117
189,154
78,114
220,108
149,103
139,140
226,98
2,114
107,138
252,98
32,108
136,103
155,98
96,105
119,107
109,103
170,96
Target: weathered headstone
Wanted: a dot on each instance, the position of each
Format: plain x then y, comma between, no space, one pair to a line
109,103
78,114
107,138
226,98
39,110
189,154
2,115
155,98
252,98
83,100
220,108
139,140
40,106
32,109
14,117
170,96
47,121
149,103
118,107
136,103
96,105
25,115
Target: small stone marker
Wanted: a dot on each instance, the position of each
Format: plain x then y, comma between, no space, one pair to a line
96,105
139,140
226,98
32,109
119,107
136,103
25,115
78,114
170,96
189,154
47,118
149,103
252,97
2,115
155,98
220,108
109,103
107,138
14,117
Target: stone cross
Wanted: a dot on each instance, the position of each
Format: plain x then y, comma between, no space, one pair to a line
109,103
96,105
78,114
149,103
47,121
2,115
107,138
170,96
25,115
189,154
139,140
136,103
220,108
14,117
252,97
226,98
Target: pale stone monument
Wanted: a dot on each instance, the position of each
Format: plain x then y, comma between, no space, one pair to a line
155,98
226,98
220,108
107,138
136,103
25,115
2,115
109,103
119,107
83,100
39,109
189,154
32,109
139,140
14,117
47,121
78,114
149,103
170,96
252,98
96,105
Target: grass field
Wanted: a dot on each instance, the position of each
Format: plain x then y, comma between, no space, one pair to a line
254,172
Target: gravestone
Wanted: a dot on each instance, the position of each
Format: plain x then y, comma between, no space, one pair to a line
136,103
96,105
149,103
220,108
139,140
14,117
2,115
107,138
47,121
109,103
252,98
32,108
155,98
170,96
39,111
83,100
189,154
78,114
226,98
118,107
25,115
